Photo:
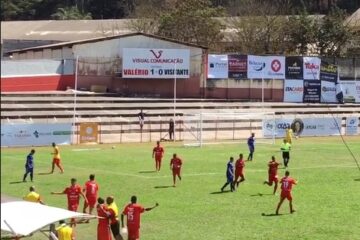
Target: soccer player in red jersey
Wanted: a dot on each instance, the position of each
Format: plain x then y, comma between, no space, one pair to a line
273,177
133,211
286,186
175,166
73,196
239,170
103,228
158,153
90,189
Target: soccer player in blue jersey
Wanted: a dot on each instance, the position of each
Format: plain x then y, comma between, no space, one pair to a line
229,175
251,145
29,165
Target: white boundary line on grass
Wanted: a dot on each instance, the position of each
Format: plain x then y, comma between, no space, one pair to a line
199,174
211,173
85,149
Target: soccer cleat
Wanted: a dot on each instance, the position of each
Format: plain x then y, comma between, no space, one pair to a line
292,211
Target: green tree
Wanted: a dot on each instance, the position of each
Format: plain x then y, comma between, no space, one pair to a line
260,28
18,9
146,15
301,32
192,21
70,13
110,9
333,34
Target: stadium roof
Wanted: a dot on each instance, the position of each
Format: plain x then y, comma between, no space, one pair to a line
71,43
73,30
354,20
21,218
63,30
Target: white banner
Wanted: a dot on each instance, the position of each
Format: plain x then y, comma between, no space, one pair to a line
328,92
293,90
155,63
312,68
35,134
276,67
303,126
218,66
351,90
267,67
352,124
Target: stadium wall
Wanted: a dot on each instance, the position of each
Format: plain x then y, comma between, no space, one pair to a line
37,75
37,83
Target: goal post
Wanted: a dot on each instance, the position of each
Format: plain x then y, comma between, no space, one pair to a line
227,127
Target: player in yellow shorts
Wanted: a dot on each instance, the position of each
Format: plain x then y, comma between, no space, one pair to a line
289,134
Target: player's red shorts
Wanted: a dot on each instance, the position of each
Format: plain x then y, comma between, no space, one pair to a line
73,207
273,178
286,194
91,201
133,233
176,171
103,232
56,161
239,174
158,159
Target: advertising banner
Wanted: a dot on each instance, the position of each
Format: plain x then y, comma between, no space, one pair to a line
312,91
294,67
237,66
218,66
302,126
352,125
312,68
328,92
155,63
328,72
88,133
267,67
256,67
37,134
276,67
351,91
293,90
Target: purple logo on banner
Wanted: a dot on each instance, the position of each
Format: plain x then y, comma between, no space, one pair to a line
237,66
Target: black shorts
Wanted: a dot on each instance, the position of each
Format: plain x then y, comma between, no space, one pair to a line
286,155
115,228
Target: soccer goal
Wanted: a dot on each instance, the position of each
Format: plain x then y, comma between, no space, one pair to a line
227,127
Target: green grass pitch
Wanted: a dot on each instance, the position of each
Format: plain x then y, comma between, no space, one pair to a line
327,197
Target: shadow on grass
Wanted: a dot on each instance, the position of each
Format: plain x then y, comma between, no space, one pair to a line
220,192
271,215
17,182
274,214
357,179
167,186
44,173
261,194
152,171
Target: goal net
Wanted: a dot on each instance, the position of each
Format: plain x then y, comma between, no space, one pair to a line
227,127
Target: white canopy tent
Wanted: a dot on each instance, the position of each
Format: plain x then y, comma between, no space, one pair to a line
21,218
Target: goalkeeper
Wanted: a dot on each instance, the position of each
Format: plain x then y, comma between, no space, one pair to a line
289,134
